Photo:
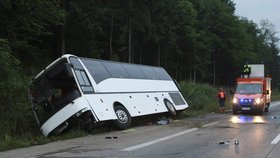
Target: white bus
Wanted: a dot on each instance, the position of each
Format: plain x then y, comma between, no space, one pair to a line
74,90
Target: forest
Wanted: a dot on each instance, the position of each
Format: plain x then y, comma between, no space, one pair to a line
194,40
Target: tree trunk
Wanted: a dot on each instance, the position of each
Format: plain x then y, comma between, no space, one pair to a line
141,49
111,34
158,62
214,70
63,38
194,72
129,31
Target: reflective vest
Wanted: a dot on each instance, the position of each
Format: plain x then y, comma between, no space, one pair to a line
246,68
222,95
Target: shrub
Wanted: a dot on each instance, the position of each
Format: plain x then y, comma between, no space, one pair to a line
200,97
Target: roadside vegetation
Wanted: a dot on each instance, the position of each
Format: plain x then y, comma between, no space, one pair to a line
202,98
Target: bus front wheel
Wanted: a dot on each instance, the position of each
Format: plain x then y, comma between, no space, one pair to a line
123,120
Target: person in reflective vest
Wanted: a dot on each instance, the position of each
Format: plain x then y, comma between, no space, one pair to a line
222,99
246,70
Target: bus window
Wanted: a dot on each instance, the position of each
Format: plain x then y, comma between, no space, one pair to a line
162,74
96,70
116,70
134,71
84,81
149,73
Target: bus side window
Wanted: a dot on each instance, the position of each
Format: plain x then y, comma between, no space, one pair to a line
84,81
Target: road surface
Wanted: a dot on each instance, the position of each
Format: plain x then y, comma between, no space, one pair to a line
209,136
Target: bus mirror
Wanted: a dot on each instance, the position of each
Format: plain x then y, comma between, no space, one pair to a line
67,67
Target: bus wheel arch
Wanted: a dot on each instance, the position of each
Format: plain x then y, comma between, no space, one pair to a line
123,120
170,107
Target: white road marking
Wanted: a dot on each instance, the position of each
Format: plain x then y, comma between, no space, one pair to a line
210,124
158,140
276,140
135,147
56,154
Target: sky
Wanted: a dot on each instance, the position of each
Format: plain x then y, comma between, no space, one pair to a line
258,10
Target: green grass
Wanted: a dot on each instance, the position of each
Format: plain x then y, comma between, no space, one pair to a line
202,98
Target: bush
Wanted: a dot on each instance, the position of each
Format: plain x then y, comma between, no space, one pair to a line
200,97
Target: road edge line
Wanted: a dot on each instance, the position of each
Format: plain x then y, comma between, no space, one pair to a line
276,139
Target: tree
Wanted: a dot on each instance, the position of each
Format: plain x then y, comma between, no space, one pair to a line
26,24
14,112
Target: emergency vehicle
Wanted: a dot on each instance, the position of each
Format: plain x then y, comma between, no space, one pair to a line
252,93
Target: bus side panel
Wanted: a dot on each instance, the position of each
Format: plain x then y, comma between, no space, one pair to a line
134,102
102,105
142,103
64,114
155,103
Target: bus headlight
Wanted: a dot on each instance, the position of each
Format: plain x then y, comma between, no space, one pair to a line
234,100
258,101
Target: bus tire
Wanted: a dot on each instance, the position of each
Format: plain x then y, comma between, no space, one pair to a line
170,107
124,118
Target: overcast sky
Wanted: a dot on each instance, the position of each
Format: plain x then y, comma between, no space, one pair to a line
257,10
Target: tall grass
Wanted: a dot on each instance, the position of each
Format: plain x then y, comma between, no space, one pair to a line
201,97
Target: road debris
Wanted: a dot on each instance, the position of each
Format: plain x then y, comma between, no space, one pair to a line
111,137
162,122
236,142
224,142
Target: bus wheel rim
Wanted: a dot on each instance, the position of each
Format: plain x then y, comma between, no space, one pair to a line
122,116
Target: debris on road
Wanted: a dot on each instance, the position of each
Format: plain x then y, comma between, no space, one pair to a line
111,137
224,142
162,122
236,142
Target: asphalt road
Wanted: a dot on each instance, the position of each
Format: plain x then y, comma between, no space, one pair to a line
209,136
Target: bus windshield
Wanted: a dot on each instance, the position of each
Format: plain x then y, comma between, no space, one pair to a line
252,88
52,90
